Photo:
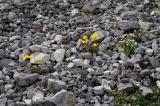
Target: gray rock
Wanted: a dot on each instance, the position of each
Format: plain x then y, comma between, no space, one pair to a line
154,61
2,87
145,72
154,45
11,16
38,96
149,52
106,86
145,90
56,85
129,15
78,62
16,2
2,54
43,103
128,25
63,98
106,5
58,39
3,100
145,25
127,87
24,79
158,83
58,55
98,90
74,12
14,38
5,63
35,48
28,102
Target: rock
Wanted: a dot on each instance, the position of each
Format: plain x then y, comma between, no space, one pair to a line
74,12
127,87
2,87
98,90
145,72
24,79
88,9
39,58
36,27
70,65
106,86
158,83
14,38
16,2
63,98
149,52
58,39
128,25
106,5
129,15
2,54
78,62
5,63
154,61
145,90
154,45
38,96
3,100
145,25
56,85
11,16
28,102
58,55
35,48
43,103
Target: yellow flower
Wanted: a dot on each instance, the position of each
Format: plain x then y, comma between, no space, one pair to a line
94,36
26,57
94,45
84,39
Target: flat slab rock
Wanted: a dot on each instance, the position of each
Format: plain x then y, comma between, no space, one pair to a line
24,79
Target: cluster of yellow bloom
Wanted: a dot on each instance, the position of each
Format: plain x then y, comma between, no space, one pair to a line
26,57
89,42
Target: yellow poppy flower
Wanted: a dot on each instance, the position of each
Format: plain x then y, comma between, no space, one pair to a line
85,39
94,36
94,45
26,57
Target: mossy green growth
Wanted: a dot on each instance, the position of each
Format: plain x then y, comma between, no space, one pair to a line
127,44
137,99
37,69
79,5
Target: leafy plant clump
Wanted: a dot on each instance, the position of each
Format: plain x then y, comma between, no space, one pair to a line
127,44
137,99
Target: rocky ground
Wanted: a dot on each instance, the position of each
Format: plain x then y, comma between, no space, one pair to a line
68,75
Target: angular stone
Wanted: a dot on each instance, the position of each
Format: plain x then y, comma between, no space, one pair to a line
146,91
158,83
38,96
128,25
2,87
56,85
24,79
98,90
58,39
127,87
14,38
154,61
58,55
3,100
145,72
35,48
63,98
